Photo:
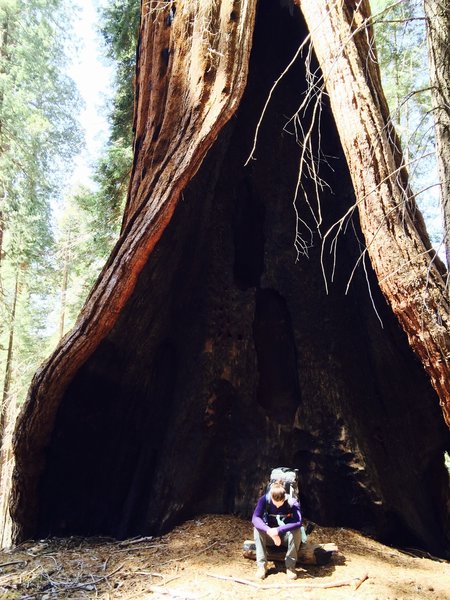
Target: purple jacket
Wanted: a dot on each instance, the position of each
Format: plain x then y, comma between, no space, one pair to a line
265,515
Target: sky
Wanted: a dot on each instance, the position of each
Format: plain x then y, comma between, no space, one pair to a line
93,78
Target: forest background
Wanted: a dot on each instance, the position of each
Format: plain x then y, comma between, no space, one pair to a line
54,236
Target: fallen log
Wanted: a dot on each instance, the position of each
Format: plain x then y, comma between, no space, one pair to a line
309,554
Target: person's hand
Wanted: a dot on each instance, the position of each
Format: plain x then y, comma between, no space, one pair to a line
273,533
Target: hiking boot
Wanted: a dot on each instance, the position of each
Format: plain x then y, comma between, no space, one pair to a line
261,572
291,573
309,527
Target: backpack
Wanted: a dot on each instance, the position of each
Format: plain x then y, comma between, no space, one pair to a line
289,478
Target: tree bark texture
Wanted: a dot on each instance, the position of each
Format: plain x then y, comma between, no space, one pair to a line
206,354
438,30
173,62
410,275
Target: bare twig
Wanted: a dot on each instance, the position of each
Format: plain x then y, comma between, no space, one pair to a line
360,581
416,553
137,540
356,581
14,562
126,549
113,572
272,89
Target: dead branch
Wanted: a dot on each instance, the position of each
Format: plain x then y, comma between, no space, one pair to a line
113,571
77,584
361,581
14,562
355,581
274,86
137,540
416,553
127,549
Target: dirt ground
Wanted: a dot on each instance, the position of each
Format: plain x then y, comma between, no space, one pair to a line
203,559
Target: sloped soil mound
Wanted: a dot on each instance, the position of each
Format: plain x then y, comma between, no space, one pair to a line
203,559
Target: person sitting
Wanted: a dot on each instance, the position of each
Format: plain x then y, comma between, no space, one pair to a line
277,519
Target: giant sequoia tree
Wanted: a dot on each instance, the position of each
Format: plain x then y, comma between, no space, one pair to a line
207,352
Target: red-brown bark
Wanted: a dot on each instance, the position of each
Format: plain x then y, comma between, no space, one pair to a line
190,77
191,73
410,275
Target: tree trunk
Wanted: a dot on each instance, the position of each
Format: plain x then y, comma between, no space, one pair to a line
190,78
205,354
2,229
9,358
438,30
64,285
410,275
3,194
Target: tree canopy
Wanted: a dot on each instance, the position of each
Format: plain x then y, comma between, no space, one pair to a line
402,52
39,136
48,263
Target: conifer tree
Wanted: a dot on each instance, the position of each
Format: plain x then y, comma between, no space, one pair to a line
120,21
90,221
39,135
400,32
